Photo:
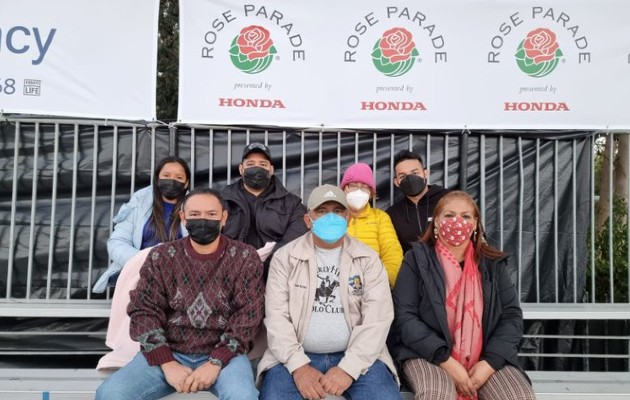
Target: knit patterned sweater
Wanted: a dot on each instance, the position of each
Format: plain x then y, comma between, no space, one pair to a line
197,303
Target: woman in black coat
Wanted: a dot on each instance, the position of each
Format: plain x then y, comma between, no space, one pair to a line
457,316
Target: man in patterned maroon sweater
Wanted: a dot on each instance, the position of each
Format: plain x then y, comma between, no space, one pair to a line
198,305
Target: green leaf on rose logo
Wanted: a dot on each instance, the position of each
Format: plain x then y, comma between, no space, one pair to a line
539,53
252,50
395,52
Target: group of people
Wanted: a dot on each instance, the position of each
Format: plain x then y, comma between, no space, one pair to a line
349,295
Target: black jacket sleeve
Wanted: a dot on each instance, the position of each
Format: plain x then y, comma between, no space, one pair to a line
416,325
296,226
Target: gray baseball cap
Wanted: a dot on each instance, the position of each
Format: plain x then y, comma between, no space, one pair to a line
324,193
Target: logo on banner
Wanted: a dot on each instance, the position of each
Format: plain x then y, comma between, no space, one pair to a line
252,50
395,52
538,54
32,87
407,33
546,38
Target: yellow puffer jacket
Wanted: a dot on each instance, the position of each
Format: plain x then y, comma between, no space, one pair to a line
374,228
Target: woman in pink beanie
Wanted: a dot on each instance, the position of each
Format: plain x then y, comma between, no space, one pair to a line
371,225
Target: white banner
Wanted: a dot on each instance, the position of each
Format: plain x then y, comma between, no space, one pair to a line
79,58
435,64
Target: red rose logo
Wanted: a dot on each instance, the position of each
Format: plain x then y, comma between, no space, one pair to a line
397,44
252,50
395,52
540,45
539,53
254,42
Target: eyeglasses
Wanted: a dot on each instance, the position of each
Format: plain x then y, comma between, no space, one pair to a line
358,185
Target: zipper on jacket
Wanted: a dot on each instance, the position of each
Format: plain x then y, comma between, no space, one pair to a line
420,228
308,305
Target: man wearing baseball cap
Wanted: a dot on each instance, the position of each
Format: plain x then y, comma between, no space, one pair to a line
261,212
328,310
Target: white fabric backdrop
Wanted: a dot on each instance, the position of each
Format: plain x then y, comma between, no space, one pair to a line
434,64
77,58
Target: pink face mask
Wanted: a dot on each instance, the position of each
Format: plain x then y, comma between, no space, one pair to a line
455,231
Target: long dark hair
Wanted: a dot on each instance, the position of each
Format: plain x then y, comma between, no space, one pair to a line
157,213
482,248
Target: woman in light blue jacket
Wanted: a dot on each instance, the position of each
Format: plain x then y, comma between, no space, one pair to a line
149,218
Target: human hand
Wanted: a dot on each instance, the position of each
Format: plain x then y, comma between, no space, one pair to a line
265,251
307,381
460,377
480,373
202,378
336,381
176,374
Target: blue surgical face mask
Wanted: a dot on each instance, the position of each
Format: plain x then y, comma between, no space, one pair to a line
330,227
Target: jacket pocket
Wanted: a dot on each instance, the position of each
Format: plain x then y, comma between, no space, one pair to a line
274,220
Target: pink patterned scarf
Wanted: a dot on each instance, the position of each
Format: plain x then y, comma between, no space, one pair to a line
464,304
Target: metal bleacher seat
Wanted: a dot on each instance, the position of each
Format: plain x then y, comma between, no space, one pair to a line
25,308
80,384
564,311
69,384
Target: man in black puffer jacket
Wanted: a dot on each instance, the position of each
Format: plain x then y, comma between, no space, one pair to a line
261,212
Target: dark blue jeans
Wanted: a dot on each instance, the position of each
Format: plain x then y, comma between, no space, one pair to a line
378,383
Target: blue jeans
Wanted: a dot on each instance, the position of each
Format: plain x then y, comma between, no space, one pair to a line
140,381
377,383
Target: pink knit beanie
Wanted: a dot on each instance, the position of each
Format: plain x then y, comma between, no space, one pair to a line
359,172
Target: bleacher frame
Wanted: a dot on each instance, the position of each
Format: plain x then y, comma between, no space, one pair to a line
554,384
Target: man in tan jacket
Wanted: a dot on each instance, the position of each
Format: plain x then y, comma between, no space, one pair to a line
328,311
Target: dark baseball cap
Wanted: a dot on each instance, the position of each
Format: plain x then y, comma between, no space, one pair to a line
256,147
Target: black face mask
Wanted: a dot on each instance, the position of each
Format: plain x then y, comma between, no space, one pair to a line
171,189
203,231
412,185
256,178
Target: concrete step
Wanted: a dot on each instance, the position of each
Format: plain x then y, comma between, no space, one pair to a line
81,384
